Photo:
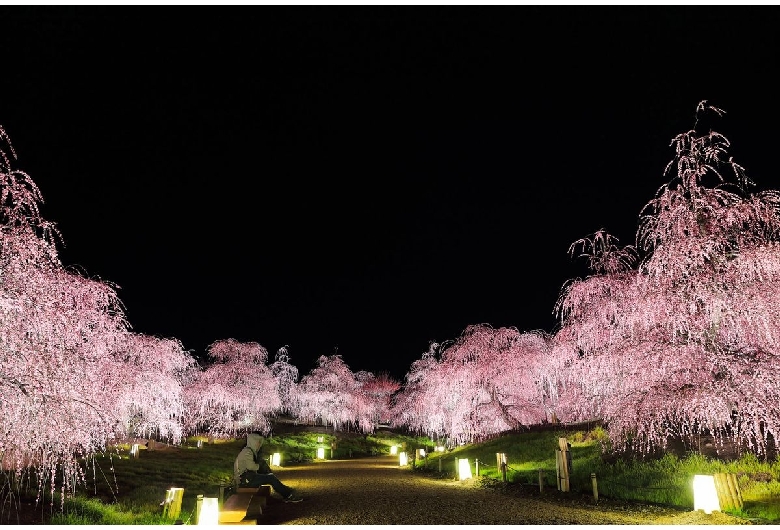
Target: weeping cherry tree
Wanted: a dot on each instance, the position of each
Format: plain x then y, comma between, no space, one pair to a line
69,369
236,393
680,334
330,394
486,382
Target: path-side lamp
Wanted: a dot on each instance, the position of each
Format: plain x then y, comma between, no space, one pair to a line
705,496
393,449
208,514
134,450
421,453
321,453
402,460
276,459
464,469
172,503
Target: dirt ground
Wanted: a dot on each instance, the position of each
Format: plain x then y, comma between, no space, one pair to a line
376,491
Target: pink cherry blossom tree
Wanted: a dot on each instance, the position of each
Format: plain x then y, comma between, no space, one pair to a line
486,382
236,393
148,396
330,394
410,408
71,375
378,391
680,334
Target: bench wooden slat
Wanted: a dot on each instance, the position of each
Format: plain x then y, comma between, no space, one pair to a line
244,505
264,490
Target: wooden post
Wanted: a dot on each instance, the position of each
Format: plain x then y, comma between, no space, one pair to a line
172,506
440,464
595,487
562,459
541,480
221,499
501,464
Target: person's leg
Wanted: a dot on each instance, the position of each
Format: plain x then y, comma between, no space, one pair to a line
280,488
258,479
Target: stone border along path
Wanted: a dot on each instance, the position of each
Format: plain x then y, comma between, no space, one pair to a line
376,491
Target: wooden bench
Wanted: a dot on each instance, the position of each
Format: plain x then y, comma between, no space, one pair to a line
245,506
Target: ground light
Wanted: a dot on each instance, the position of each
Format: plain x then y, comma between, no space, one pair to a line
705,496
321,453
209,511
393,449
464,469
276,459
172,503
402,459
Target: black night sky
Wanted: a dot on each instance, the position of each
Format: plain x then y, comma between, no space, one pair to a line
362,180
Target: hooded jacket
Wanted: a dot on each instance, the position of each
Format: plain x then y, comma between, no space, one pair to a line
249,458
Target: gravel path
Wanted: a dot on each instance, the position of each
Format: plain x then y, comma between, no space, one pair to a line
371,491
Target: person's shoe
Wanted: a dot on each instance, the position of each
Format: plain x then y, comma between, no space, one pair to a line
292,497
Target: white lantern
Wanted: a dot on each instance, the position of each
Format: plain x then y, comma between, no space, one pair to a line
705,496
464,469
209,511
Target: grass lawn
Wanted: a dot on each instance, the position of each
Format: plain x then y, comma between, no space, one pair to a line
121,489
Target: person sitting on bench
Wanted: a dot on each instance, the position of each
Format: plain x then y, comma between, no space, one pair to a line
252,471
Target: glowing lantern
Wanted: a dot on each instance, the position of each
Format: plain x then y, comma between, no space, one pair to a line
402,459
209,511
276,459
421,453
439,448
393,449
321,453
705,496
134,450
464,469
